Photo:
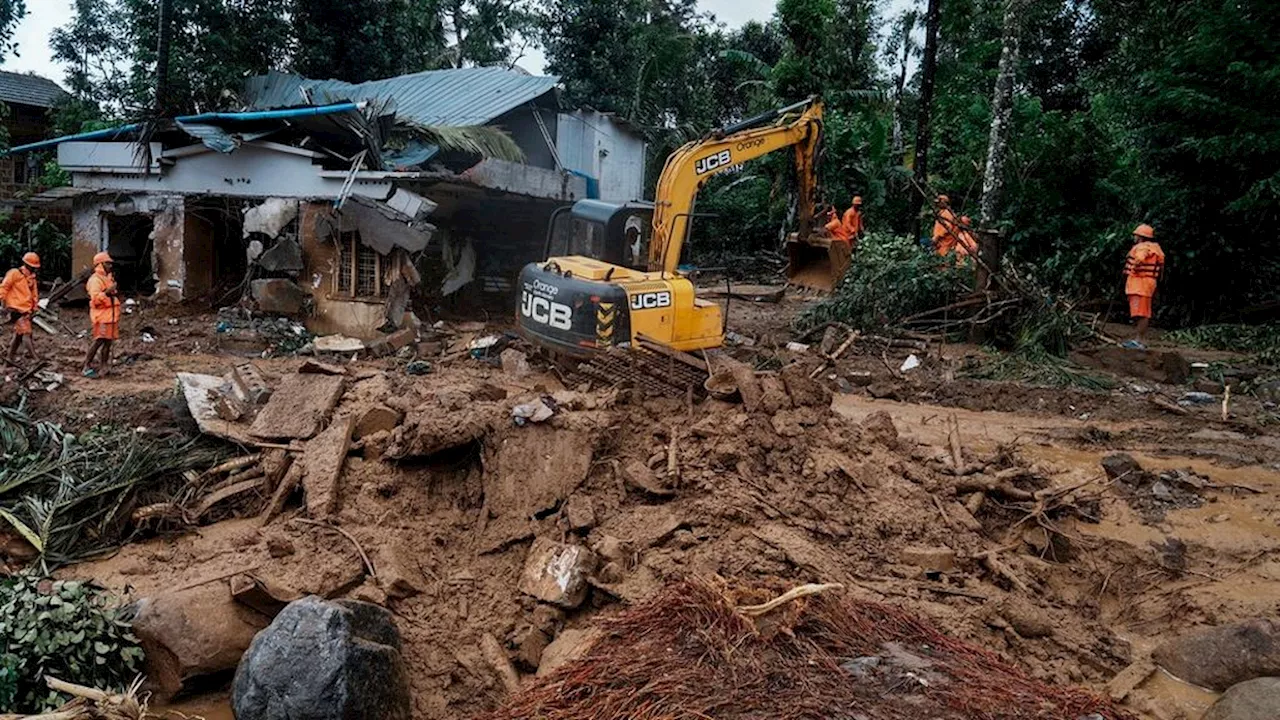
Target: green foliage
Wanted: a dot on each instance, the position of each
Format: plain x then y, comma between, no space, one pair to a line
483,140
73,492
11,13
65,629
52,175
51,244
890,278
1262,341
1037,368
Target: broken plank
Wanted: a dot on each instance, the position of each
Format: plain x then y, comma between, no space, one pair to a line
227,493
322,465
292,479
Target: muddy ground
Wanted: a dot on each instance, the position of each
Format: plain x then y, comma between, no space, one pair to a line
1073,585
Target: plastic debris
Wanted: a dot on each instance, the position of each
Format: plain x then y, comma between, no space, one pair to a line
1197,398
537,411
418,367
911,363
797,347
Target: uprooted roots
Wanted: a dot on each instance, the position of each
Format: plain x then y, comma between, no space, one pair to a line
689,653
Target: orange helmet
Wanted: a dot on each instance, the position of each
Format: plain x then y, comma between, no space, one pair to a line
1145,231
943,199
31,260
100,258
857,199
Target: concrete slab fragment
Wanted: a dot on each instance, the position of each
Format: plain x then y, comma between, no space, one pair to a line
299,407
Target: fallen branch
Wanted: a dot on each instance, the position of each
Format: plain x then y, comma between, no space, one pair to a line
1166,405
792,594
233,465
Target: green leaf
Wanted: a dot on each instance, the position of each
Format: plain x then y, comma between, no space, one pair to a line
27,533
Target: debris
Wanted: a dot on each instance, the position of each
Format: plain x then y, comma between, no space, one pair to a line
279,546
197,390
1026,619
324,660
298,408
226,493
285,256
931,559
1166,405
270,217
291,481
338,344
911,363
277,296
1196,398
1255,699
483,343
642,527
1219,657
397,574
514,362
1119,687
638,475
322,466
378,418
580,513
193,632
537,411
796,347
501,664
418,367
255,593
569,646
557,573
315,367
878,427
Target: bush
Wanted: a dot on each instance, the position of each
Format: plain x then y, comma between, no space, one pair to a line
66,629
42,236
889,278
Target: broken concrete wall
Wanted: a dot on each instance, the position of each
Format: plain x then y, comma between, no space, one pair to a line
167,250
318,231
91,234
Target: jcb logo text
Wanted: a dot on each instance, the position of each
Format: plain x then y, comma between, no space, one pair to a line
651,300
546,312
711,162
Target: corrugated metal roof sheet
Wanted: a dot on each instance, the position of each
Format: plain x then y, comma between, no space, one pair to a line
29,90
462,97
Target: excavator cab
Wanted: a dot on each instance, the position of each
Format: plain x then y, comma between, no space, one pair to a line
617,234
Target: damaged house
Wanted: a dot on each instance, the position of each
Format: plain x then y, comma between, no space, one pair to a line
335,201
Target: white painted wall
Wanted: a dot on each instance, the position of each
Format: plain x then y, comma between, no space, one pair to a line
596,144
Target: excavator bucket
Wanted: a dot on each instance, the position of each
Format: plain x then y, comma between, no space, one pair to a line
817,263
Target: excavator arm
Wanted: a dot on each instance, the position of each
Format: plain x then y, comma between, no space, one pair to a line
689,168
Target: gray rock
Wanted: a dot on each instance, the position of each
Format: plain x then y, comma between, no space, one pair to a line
1257,699
278,297
1119,465
324,660
1220,657
284,256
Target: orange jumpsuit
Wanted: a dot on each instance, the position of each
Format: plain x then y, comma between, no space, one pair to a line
104,309
21,293
853,222
1142,269
945,234
837,230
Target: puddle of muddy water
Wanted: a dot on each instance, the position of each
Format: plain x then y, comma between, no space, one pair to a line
1173,694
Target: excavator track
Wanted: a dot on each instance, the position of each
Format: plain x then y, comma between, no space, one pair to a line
651,367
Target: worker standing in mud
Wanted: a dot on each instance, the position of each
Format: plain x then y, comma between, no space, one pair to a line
853,222
834,226
104,313
20,296
1142,270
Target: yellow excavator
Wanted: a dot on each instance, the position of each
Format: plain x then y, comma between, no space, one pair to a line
612,276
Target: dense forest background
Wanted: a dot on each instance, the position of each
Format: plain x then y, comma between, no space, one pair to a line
1120,111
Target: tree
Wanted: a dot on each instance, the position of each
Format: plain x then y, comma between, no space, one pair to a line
928,72
11,13
998,143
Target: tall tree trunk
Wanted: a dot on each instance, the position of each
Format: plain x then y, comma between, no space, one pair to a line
908,24
162,57
928,69
998,141
459,23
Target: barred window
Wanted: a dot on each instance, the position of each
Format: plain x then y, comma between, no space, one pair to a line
359,273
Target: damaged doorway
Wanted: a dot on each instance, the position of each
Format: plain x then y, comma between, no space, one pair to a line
214,252
129,244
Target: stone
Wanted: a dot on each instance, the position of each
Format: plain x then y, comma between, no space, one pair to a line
338,344
1219,657
401,338
1257,699
879,427
883,391
262,595
193,633
557,573
398,575
530,644
315,367
580,513
378,418
279,546
642,527
804,391
1117,465
514,362
569,645
1026,619
298,408
278,297
637,475
283,257
933,559
324,660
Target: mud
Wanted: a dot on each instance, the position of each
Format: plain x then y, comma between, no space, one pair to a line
806,488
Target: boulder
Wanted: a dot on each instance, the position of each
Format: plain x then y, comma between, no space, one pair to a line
324,660
557,573
278,297
285,256
192,633
1257,699
1220,657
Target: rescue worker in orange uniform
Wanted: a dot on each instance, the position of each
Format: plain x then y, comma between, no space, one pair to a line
967,244
20,296
945,229
853,222
1142,270
835,227
104,313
